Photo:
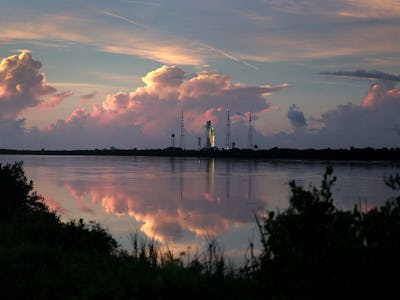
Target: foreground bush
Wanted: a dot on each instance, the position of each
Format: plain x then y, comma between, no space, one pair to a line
17,192
313,250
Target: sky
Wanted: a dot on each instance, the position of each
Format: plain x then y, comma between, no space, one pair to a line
98,74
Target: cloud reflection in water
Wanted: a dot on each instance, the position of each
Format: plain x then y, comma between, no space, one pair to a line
189,198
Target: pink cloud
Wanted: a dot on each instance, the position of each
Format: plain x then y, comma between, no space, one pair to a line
23,86
78,116
380,93
146,116
116,102
166,78
56,206
55,100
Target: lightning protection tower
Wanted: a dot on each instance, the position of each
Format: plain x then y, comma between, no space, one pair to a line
250,133
228,133
182,140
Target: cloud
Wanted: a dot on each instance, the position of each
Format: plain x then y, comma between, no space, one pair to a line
374,74
382,95
55,99
341,8
56,206
296,117
373,123
87,97
12,133
148,115
307,30
377,9
23,86
106,35
257,32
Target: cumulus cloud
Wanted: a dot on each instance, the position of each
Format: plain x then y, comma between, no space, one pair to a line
373,123
23,86
148,115
296,117
379,93
12,133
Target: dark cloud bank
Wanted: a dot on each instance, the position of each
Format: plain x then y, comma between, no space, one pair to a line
374,74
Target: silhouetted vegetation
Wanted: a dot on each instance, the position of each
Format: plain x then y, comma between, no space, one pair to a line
311,250
16,192
256,153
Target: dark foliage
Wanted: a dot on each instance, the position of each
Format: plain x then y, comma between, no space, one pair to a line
313,250
352,154
16,192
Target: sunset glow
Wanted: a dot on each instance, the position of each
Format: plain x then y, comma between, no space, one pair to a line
79,75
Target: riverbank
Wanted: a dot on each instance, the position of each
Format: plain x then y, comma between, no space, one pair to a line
366,154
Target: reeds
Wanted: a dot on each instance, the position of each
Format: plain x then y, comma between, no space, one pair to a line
210,261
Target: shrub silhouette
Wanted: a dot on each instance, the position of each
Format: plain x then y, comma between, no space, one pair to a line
17,192
313,250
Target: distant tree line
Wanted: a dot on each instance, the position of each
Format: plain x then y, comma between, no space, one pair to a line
272,153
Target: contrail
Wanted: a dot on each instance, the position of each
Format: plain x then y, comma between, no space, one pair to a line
114,15
142,2
230,56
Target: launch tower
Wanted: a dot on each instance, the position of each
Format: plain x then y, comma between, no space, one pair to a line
250,144
228,133
182,139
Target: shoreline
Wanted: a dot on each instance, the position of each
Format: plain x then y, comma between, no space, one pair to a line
365,154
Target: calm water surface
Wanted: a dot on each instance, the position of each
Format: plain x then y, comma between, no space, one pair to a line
182,201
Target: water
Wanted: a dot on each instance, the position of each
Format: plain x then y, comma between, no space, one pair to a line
182,202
